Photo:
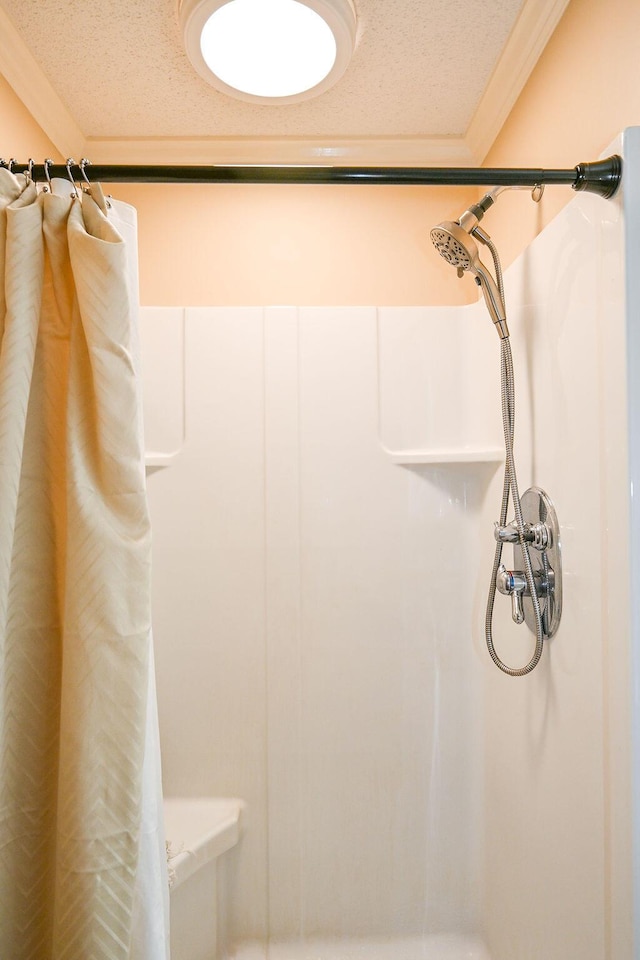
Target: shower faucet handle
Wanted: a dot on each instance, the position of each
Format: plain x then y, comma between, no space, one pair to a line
512,584
517,607
537,534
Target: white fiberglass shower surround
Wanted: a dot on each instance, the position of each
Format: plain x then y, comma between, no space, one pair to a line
323,486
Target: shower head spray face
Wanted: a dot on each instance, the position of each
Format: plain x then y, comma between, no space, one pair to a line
458,248
454,244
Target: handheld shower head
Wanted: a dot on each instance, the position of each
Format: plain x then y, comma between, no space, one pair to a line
458,248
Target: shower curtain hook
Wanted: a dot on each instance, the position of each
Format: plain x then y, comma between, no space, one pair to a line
71,163
29,171
536,193
85,163
48,186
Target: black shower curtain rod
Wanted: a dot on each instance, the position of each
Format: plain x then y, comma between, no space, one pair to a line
601,177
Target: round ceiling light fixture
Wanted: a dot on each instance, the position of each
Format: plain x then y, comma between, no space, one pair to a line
269,51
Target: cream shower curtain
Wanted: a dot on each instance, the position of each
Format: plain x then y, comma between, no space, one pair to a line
82,876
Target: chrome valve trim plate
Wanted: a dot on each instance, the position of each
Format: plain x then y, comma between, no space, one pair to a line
538,512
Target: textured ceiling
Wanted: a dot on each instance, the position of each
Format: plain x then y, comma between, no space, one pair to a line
420,69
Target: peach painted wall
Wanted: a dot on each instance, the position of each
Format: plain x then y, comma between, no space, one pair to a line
20,136
583,92
253,245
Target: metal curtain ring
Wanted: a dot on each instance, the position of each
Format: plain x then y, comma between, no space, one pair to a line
85,163
48,163
71,163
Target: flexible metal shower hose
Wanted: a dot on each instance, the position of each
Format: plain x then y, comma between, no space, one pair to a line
510,486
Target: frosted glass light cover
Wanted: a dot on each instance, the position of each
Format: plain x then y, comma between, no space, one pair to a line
269,51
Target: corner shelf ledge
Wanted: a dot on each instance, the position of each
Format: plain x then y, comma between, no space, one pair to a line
159,459
488,455
199,830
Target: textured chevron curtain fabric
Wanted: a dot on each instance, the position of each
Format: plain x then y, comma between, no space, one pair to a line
74,584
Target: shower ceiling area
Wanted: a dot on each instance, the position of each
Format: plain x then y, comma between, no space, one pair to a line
428,83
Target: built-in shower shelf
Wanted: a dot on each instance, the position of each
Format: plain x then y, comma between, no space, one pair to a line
159,459
485,455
